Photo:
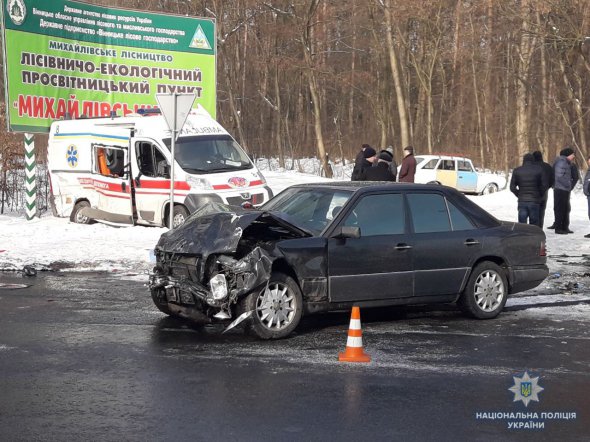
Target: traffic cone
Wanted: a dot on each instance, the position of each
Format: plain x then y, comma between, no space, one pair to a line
354,344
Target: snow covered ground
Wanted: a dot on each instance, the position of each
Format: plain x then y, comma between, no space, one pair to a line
56,243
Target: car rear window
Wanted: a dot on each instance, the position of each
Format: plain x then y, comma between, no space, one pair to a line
429,212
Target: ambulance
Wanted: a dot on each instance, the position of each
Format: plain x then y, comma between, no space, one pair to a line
117,169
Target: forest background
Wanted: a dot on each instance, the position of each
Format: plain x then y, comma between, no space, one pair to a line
488,79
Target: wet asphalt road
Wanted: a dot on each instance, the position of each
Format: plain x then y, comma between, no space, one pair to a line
87,357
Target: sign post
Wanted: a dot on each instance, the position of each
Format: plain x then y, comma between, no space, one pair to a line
30,177
175,108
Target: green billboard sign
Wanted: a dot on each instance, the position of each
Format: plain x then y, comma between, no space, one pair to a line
67,58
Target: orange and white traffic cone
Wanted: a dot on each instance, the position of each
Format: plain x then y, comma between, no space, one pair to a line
354,344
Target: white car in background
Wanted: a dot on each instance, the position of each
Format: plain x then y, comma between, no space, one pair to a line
457,172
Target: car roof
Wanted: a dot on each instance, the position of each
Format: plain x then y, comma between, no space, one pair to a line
444,156
363,186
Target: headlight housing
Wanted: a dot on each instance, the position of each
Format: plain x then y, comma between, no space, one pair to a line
198,183
218,285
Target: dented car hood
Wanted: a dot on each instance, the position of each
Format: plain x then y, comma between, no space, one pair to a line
217,228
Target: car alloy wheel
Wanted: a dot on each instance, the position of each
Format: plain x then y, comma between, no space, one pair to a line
486,292
489,291
277,308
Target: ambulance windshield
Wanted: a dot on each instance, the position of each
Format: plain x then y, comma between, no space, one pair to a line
209,154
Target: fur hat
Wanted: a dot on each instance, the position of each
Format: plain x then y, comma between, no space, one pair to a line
369,152
385,156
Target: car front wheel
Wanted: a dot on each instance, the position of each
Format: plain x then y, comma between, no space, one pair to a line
277,308
486,291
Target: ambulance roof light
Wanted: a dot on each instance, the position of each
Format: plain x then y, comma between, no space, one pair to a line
148,112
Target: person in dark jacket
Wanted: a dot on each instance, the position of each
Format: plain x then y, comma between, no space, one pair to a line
408,168
562,187
586,188
364,159
381,171
393,164
550,177
529,184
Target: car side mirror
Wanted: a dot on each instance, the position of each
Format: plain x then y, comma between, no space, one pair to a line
347,232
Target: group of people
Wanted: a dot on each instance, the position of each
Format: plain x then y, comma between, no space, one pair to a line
372,166
531,183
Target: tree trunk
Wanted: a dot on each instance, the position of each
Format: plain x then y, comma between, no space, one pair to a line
397,77
313,89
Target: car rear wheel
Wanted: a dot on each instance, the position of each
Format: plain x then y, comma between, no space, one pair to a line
490,188
277,308
486,291
76,216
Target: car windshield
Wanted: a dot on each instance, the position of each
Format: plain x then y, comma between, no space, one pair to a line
208,154
309,209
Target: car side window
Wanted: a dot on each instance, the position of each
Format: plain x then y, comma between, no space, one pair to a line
465,166
431,164
458,220
447,165
429,212
381,214
151,161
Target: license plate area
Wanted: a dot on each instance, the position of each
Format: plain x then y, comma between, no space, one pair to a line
172,294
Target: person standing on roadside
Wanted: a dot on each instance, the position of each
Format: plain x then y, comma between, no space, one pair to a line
529,184
586,188
361,162
380,171
550,177
393,164
408,169
563,185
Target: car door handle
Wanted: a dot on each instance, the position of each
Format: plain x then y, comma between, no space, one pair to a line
402,246
471,242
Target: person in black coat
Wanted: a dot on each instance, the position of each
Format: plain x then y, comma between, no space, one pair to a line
364,159
550,177
529,184
381,171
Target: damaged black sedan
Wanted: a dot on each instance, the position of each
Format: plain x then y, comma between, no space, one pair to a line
320,247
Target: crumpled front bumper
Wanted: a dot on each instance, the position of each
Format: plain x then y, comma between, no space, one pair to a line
176,284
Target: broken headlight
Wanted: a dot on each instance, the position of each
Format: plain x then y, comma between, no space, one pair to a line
218,285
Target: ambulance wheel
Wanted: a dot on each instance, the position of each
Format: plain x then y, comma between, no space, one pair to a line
77,217
179,216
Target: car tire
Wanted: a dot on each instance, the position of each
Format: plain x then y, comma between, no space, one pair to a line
277,308
490,188
178,217
486,292
160,301
78,218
